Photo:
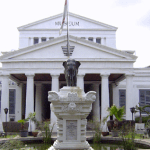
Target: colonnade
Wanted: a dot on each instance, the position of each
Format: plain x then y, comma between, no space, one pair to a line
29,108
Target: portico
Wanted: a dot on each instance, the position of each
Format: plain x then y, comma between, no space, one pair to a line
37,86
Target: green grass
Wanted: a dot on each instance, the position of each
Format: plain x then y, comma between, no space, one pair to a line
10,136
137,136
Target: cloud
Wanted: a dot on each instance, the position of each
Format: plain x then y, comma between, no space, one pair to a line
126,3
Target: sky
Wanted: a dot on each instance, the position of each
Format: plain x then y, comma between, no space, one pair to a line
132,17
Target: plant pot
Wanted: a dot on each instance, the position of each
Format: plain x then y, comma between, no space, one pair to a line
105,133
35,134
110,124
30,134
23,133
115,133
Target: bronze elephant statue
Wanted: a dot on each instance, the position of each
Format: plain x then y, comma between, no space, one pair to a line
71,70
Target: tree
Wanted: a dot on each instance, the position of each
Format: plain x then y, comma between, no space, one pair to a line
117,112
141,109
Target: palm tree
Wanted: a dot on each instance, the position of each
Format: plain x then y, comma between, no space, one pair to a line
117,112
141,109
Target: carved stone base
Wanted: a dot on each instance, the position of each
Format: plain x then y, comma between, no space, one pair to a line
71,107
70,146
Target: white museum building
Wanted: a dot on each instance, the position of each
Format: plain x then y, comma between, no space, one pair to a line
27,74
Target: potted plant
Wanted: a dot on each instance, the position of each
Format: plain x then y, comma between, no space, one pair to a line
118,114
31,118
105,132
24,129
35,133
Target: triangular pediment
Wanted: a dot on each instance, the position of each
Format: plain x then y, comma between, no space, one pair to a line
75,22
52,50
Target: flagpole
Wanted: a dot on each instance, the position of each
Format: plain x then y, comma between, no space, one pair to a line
68,48
66,12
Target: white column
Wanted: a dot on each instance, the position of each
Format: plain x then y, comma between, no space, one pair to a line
129,96
47,38
80,81
55,87
40,40
29,95
104,97
5,97
38,102
30,99
55,82
94,39
115,94
96,108
18,106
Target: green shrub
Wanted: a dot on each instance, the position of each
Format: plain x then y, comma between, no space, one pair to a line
127,136
11,145
144,119
48,132
96,127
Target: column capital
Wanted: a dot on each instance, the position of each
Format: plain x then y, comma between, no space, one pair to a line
54,75
30,74
104,74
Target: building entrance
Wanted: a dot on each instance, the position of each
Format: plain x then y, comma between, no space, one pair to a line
45,104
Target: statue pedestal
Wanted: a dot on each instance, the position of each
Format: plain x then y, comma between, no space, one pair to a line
71,106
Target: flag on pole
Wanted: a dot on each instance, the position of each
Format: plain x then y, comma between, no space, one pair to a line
64,16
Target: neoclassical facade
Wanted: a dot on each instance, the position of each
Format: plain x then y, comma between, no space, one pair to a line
27,74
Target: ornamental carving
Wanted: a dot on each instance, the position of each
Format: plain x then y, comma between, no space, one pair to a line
73,97
90,96
71,108
53,96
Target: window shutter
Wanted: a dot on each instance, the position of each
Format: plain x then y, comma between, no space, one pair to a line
122,98
12,97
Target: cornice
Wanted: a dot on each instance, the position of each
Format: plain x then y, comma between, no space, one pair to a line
93,21
60,60
70,29
8,56
104,48
21,28
33,47
39,21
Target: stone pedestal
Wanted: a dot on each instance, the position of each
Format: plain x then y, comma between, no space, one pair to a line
71,106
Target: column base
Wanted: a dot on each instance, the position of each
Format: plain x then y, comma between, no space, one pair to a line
70,145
